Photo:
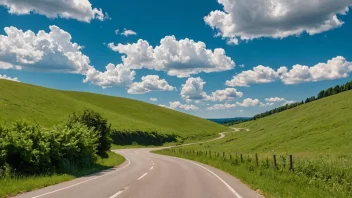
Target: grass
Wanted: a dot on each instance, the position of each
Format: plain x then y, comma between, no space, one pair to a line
317,134
49,107
14,185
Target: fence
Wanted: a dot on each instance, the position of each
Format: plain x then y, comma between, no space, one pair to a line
238,158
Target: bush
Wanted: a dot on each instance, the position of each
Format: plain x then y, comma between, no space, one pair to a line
31,149
25,148
100,125
72,146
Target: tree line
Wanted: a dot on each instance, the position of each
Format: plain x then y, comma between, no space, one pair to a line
322,94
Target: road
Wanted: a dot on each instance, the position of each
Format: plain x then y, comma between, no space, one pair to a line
148,175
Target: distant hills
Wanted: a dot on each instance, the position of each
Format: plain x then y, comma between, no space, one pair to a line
229,120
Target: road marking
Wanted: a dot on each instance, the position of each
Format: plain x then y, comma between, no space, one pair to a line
224,182
117,194
129,162
151,168
142,176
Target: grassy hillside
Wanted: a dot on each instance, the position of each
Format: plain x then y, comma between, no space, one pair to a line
317,134
49,107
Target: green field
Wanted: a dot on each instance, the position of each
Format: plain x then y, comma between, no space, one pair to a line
49,107
317,134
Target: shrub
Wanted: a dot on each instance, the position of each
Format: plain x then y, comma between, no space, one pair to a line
25,148
72,146
141,138
100,125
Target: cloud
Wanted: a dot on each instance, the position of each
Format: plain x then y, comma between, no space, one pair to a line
117,31
225,95
113,76
128,32
275,99
247,20
335,68
178,105
150,83
222,106
259,74
9,78
180,58
80,10
51,52
249,102
193,90
153,99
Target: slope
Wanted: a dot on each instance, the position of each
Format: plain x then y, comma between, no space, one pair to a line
48,107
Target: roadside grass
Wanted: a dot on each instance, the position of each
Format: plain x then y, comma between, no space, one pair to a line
49,107
310,178
12,185
317,134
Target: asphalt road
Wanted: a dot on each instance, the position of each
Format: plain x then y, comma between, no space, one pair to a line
148,175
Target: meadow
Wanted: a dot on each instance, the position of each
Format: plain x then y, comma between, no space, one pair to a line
49,107
318,135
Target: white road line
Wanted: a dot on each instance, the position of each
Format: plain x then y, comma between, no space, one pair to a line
224,182
117,194
142,176
129,162
151,168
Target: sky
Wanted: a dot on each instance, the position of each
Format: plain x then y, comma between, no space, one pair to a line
208,58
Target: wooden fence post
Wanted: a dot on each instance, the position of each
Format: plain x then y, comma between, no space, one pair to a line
275,164
291,163
241,157
256,159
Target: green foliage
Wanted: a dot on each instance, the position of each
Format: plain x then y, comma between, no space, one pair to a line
96,122
49,107
141,138
31,149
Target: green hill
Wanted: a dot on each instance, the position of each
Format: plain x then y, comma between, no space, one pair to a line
322,126
318,135
48,107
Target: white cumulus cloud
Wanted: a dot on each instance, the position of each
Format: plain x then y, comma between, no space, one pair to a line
153,99
113,76
127,32
275,99
178,105
335,68
193,90
258,75
222,106
249,102
9,78
80,10
150,83
246,20
180,58
53,51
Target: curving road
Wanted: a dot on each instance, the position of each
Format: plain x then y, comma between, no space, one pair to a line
148,175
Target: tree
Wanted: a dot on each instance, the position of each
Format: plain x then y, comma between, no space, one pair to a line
94,120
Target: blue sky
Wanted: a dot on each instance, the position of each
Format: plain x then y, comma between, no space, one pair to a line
276,35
